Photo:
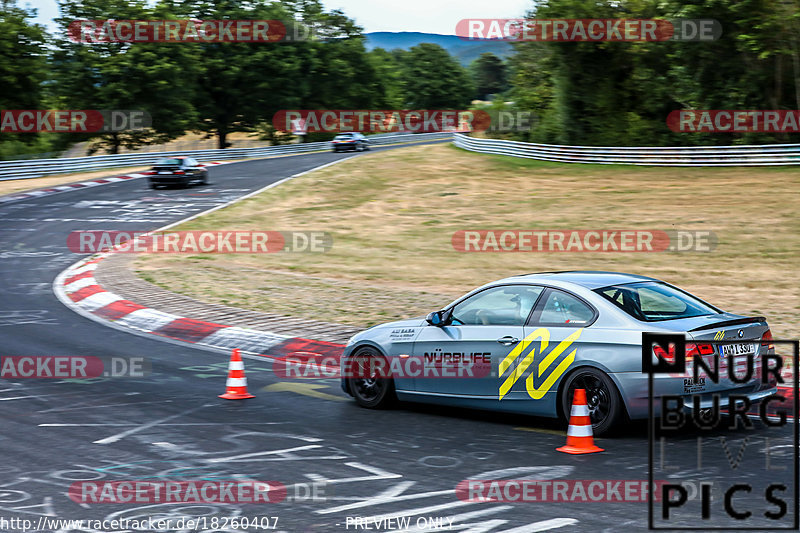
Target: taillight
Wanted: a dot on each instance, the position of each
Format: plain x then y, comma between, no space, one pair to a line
179,172
765,338
149,172
692,350
702,349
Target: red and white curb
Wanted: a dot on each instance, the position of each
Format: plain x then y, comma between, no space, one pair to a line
77,288
80,185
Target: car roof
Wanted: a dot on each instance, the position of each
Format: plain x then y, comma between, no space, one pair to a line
590,279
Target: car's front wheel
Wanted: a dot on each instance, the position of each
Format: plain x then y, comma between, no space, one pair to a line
605,404
368,379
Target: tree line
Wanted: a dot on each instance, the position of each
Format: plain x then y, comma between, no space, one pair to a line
610,93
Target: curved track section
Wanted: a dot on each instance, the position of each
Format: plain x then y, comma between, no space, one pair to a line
374,467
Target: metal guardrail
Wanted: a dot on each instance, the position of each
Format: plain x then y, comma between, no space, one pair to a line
746,155
696,156
35,168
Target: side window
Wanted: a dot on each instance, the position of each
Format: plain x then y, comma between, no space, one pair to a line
190,162
561,308
508,305
656,303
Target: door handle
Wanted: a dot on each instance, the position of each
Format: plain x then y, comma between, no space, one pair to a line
508,340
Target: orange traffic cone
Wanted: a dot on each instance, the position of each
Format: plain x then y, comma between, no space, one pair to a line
579,434
236,387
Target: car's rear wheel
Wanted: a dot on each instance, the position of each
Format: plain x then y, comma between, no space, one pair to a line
153,185
605,404
370,386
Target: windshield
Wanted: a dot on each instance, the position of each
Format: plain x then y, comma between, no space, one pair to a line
653,301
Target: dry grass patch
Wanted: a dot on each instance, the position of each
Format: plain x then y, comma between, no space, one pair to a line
392,216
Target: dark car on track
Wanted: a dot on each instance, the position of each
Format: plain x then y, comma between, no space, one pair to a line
350,141
182,171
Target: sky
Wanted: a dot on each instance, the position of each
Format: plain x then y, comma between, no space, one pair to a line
427,16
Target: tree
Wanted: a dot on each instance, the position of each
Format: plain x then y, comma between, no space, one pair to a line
489,74
390,86
434,79
152,77
23,72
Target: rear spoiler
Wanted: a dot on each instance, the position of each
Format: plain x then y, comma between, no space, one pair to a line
734,322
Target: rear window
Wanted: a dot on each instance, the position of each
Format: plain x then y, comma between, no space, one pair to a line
346,136
167,161
651,301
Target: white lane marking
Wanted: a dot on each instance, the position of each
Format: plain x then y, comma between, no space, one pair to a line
390,495
462,517
544,525
120,436
415,512
93,406
247,456
125,424
246,196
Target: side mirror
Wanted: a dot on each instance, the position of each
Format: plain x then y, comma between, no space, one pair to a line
439,318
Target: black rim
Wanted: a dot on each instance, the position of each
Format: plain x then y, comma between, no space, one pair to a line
598,397
369,387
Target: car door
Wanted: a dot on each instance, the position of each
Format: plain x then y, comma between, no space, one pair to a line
462,357
554,336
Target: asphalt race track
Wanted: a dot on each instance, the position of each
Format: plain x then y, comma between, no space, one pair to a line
372,465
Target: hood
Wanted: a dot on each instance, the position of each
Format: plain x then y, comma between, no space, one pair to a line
407,323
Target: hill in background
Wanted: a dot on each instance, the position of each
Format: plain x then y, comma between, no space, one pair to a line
464,51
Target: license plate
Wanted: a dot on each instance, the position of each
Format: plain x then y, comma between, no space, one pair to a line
165,172
742,348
